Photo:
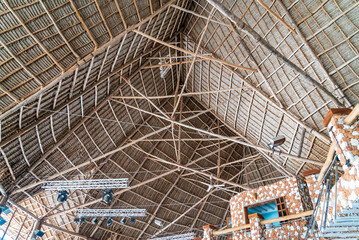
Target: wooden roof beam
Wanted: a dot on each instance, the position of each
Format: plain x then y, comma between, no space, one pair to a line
264,96
170,171
101,156
315,56
85,59
121,14
169,191
193,54
259,148
189,94
241,26
58,29
32,35
103,19
183,214
83,23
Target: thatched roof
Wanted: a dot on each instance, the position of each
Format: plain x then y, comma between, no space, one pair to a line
84,93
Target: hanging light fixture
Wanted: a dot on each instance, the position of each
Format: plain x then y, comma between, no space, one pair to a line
94,221
123,220
77,220
107,196
132,219
62,197
109,221
158,222
275,142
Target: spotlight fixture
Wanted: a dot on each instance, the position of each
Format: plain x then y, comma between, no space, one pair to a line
107,196
186,236
132,219
83,219
62,197
39,233
87,184
275,142
109,221
158,223
123,220
94,221
77,220
104,212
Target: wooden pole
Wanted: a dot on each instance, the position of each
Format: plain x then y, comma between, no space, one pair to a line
172,64
353,115
193,54
183,95
276,16
92,161
271,152
241,26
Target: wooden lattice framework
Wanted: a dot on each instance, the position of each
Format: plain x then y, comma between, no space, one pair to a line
84,94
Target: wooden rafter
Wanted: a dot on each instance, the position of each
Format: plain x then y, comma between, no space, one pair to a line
58,29
83,23
18,18
241,26
191,53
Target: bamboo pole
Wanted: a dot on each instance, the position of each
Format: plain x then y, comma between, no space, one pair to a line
243,27
198,15
37,40
193,54
183,95
172,64
271,152
276,16
314,55
85,60
92,161
89,162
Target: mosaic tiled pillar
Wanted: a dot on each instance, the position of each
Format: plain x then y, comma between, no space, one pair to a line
208,232
257,229
346,140
345,137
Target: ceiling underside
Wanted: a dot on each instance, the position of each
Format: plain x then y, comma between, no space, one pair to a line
82,97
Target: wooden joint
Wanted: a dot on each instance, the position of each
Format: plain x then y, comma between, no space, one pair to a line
335,111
